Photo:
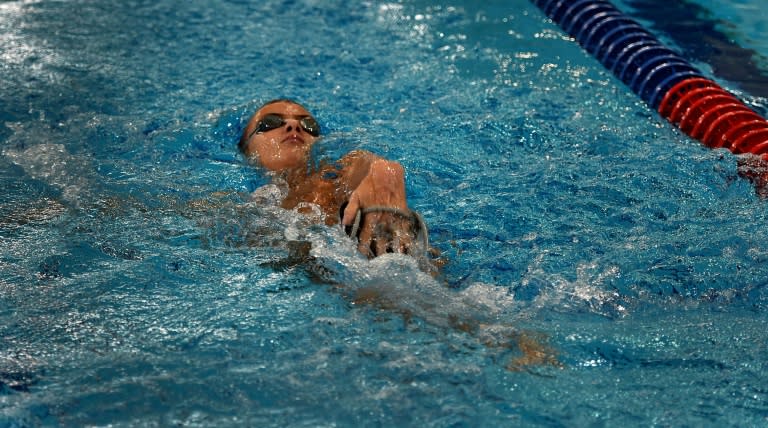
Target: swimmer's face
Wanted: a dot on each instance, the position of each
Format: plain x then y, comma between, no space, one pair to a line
281,135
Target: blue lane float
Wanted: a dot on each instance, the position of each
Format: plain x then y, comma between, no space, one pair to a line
661,77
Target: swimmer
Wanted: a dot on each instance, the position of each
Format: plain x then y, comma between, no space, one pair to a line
278,138
363,191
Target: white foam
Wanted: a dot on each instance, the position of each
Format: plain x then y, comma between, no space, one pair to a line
49,162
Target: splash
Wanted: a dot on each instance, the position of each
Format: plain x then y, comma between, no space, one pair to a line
50,163
588,292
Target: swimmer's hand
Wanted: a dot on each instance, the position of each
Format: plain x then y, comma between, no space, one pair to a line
381,232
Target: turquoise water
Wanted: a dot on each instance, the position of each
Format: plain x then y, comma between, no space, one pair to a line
139,287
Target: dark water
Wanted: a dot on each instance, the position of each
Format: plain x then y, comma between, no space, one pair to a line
699,33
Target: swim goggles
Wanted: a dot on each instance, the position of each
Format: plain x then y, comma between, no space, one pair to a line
274,121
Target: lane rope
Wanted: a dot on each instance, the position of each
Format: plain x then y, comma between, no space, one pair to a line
661,77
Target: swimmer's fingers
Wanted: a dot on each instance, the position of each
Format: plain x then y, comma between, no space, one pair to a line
365,243
369,243
404,237
383,233
348,216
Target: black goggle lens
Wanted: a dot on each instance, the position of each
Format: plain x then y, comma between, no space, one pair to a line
311,126
272,121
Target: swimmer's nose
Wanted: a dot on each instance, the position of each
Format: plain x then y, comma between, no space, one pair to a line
292,125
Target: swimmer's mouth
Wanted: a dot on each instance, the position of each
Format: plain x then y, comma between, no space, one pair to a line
293,139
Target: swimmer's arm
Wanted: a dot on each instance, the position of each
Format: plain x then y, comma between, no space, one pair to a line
353,168
368,181
374,181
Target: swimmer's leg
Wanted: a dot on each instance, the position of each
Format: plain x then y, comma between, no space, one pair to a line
532,346
535,353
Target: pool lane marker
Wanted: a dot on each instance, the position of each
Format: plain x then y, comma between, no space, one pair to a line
662,78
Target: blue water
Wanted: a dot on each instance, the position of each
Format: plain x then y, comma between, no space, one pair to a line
138,287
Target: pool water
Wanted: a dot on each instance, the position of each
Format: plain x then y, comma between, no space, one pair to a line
139,287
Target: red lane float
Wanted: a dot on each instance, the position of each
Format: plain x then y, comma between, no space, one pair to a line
714,116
